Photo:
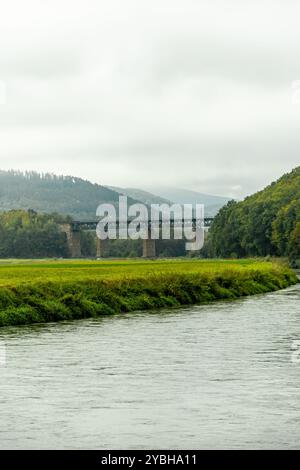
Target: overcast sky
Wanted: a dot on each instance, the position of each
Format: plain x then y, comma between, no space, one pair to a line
188,93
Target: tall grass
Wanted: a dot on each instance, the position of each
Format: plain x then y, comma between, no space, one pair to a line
47,292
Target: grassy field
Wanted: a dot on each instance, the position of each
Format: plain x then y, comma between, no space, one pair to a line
15,272
45,291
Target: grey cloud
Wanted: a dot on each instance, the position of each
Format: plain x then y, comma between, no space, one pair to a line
40,64
132,93
234,57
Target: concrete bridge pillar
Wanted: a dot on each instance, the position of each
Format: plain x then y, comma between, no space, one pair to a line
73,240
149,247
102,248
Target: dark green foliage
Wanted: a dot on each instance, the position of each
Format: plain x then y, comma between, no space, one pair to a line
26,234
134,248
267,223
50,193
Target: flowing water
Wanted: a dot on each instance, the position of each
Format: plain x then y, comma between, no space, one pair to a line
223,375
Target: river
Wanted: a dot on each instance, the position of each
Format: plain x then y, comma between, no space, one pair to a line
223,375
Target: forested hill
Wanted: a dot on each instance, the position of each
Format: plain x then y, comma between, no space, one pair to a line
267,222
50,193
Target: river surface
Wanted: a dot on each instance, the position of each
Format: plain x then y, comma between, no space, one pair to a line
223,375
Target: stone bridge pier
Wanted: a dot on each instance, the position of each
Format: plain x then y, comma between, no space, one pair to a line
102,248
73,240
149,250
73,234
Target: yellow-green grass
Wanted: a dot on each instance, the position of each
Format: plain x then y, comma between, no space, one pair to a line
14,272
43,291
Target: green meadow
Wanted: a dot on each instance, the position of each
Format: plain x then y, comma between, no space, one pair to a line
47,291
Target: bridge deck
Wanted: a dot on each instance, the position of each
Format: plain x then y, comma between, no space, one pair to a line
92,224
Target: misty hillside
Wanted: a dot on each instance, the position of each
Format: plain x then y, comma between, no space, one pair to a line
212,204
80,198
50,193
143,196
167,195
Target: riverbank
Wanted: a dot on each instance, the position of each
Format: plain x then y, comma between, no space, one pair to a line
37,292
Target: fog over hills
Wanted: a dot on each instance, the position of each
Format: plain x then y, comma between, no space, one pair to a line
80,198
143,196
212,203
161,195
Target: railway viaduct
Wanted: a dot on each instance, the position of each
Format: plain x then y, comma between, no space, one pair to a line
73,233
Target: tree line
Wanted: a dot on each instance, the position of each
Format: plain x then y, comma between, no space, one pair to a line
29,234
266,223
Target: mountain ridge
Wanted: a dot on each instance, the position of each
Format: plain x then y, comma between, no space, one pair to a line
78,197
49,193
